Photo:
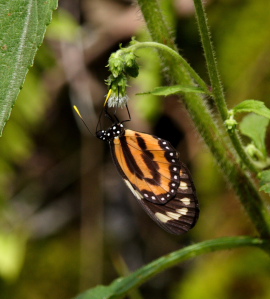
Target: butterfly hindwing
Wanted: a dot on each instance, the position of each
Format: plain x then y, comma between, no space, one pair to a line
179,214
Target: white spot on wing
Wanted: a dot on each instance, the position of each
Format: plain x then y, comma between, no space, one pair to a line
163,218
185,201
175,216
182,211
183,185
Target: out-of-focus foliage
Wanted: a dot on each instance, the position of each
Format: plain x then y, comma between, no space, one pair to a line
242,274
12,250
17,146
64,27
242,43
148,106
46,251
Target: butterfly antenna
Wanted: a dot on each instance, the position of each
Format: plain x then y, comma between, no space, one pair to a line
107,98
78,112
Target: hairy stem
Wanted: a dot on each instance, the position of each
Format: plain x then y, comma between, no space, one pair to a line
214,76
213,136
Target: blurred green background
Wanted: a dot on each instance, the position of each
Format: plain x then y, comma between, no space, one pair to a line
67,221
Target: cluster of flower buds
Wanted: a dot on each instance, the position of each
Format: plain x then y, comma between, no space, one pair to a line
122,64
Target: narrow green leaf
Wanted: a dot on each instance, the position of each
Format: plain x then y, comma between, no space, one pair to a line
168,90
254,126
122,286
98,292
23,25
257,107
264,177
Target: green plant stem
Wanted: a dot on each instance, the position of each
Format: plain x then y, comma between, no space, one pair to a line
210,59
235,138
213,136
180,60
122,286
214,76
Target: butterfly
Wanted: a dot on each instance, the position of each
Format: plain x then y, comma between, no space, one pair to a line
151,168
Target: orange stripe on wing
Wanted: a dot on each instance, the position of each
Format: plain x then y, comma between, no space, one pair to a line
138,173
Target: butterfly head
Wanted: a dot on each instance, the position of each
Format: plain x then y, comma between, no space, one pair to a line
114,131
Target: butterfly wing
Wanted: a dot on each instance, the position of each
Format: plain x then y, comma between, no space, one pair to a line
151,173
181,213
149,163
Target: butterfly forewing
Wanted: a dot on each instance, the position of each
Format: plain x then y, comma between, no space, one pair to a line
149,163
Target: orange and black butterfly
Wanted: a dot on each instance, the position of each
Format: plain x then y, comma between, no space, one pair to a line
151,168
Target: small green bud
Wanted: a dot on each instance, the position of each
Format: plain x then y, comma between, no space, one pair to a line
230,124
116,65
130,58
131,65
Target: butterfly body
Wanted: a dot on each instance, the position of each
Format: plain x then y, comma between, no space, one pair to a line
151,168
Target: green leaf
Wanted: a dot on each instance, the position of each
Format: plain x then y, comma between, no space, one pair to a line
254,126
257,107
23,25
168,90
122,286
264,177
